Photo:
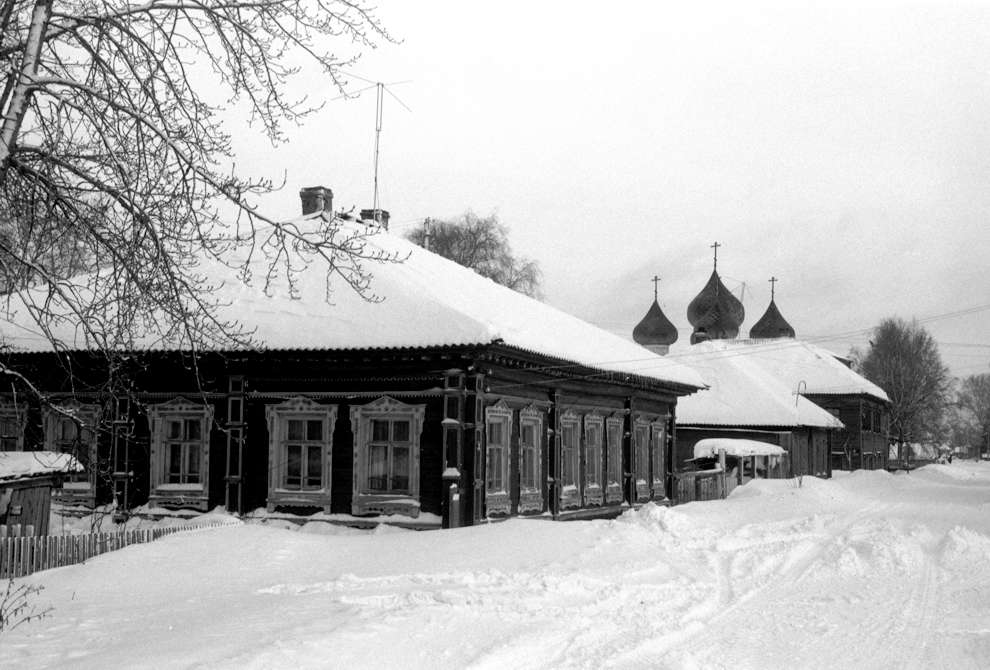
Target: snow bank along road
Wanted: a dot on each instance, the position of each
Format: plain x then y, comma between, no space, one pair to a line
867,570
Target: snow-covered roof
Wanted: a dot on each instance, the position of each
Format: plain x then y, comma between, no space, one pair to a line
801,366
734,447
425,301
16,465
742,393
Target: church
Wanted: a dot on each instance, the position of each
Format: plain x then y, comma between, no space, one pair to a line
771,387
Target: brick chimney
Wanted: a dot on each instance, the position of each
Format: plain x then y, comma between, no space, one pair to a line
316,199
376,215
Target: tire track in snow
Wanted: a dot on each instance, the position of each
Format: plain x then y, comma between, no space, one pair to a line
733,593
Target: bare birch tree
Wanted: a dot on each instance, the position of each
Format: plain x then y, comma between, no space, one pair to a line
114,160
482,244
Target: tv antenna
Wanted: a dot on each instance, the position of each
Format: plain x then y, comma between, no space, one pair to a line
381,88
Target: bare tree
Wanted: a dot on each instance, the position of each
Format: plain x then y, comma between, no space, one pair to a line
482,244
974,400
903,359
114,161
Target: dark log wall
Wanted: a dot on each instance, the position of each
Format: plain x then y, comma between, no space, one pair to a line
345,380
863,444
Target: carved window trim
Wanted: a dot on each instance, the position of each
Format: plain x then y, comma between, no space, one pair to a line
179,409
614,434
278,418
570,459
365,500
641,458
12,415
498,444
658,442
594,440
86,452
531,492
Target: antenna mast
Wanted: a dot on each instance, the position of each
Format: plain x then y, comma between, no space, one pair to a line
379,108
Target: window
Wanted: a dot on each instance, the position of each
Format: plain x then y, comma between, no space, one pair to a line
570,444
183,449
389,456
498,422
641,459
593,429
304,440
593,450
642,446
11,428
570,460
613,439
300,447
659,439
530,460
530,429
180,453
63,434
386,457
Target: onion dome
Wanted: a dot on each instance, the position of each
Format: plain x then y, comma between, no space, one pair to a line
655,330
715,313
772,324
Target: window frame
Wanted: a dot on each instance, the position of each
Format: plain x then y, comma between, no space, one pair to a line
17,415
593,459
278,418
497,497
570,460
185,494
658,457
89,415
368,501
641,458
615,431
531,493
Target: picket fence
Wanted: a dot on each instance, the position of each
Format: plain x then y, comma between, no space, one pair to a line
21,556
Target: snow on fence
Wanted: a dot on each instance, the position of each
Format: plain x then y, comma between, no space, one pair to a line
23,554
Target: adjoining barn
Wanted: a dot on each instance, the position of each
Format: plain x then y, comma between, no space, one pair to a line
449,399
26,482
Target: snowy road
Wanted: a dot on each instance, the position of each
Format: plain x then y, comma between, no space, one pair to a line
867,570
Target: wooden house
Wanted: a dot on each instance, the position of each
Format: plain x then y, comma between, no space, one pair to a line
26,482
823,378
745,401
449,399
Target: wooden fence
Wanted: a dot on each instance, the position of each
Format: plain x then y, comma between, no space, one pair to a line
23,554
699,485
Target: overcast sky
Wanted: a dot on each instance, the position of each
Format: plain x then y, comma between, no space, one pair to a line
844,150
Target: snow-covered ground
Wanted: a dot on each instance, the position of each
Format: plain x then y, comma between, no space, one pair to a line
868,570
